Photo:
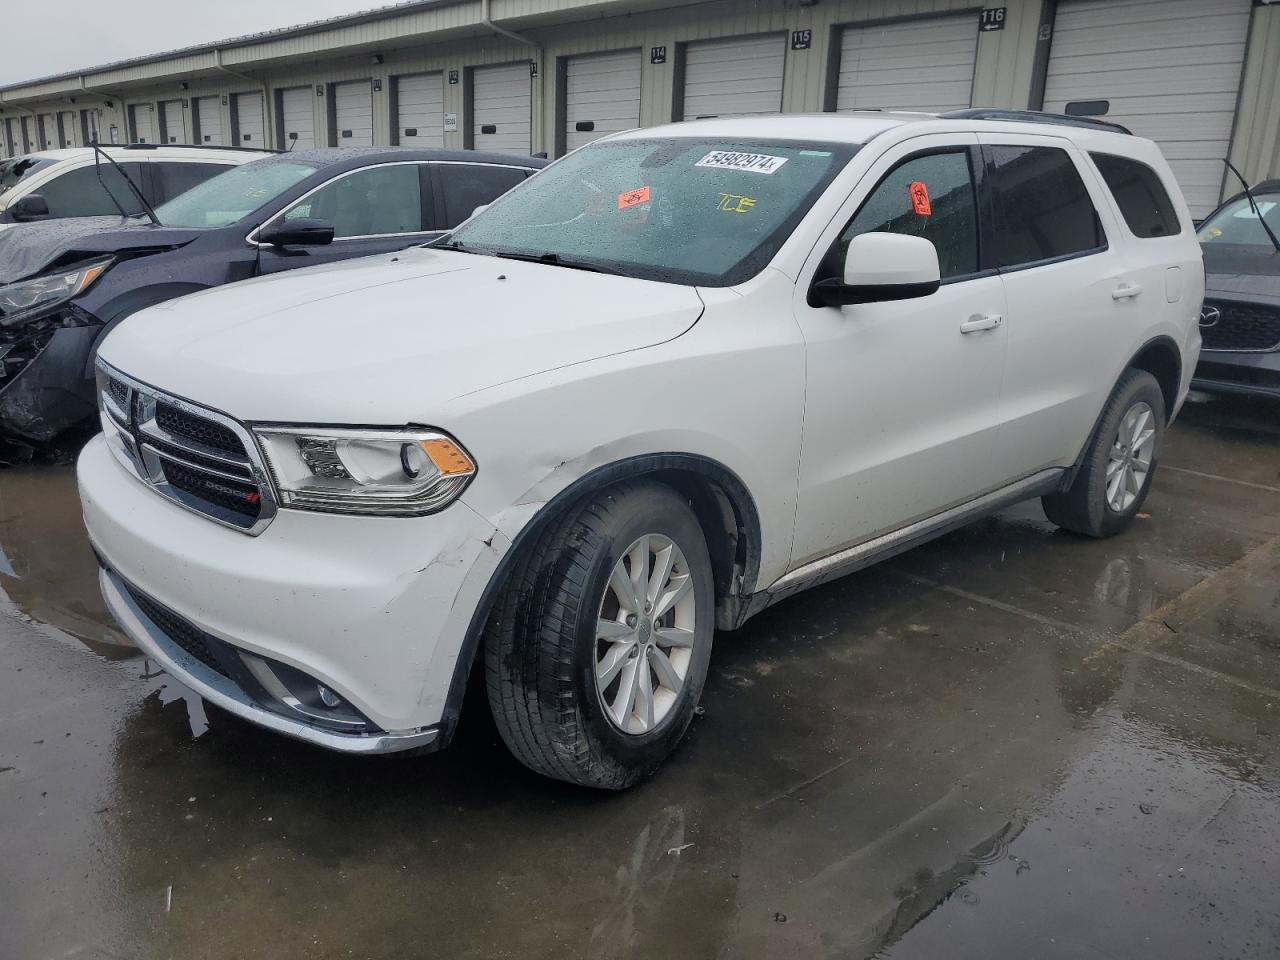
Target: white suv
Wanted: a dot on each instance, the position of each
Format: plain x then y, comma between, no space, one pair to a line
675,377
78,182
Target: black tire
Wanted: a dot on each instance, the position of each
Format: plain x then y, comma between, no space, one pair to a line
540,643
1083,508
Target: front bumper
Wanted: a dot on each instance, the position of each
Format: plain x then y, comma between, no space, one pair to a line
374,608
45,383
1227,371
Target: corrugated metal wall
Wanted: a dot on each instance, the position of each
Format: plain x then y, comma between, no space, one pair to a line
450,39
1255,143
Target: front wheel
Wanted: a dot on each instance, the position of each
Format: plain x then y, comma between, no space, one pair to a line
1115,476
596,657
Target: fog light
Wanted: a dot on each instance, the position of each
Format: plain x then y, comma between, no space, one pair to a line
327,696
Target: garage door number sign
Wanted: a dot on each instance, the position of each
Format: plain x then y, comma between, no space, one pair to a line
992,18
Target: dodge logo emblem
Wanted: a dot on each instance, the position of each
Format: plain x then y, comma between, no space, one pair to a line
1209,316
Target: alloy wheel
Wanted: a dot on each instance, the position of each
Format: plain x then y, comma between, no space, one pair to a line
645,635
1130,459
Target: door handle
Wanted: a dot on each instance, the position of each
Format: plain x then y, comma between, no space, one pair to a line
1126,291
981,321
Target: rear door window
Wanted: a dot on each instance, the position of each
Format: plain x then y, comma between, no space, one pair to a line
930,196
1139,194
174,178
80,192
466,186
1043,210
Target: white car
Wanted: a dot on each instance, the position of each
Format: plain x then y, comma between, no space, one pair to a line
76,182
675,377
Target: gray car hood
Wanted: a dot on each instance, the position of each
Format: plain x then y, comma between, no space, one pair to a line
1241,272
29,249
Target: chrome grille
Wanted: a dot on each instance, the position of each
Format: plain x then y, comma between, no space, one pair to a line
198,458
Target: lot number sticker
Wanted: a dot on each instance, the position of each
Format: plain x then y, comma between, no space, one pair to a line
752,162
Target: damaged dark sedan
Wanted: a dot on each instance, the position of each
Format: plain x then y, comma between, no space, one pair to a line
1240,319
65,283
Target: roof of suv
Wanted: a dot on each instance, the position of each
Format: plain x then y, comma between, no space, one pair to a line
328,156
859,126
165,151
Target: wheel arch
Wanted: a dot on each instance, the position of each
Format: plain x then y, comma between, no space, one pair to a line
1161,358
725,509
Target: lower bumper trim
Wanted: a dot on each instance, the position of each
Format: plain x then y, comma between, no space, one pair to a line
223,692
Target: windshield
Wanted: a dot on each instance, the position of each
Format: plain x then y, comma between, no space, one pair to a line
692,211
232,196
1237,223
13,172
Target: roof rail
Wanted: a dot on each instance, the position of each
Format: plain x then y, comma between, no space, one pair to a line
186,146
1034,116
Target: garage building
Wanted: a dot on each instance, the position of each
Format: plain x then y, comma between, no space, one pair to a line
1201,78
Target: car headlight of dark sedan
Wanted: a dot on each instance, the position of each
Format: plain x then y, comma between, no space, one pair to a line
30,298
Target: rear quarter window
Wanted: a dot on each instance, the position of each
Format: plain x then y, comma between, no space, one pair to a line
1043,209
1143,201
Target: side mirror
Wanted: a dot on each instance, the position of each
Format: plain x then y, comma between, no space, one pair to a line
302,232
31,207
879,267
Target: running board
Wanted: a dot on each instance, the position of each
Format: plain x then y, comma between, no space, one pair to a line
898,541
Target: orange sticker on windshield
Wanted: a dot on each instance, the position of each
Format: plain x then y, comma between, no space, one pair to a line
920,199
632,198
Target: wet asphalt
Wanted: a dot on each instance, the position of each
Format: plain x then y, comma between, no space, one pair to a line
1009,743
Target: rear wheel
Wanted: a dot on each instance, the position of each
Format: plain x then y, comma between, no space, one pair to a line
1118,467
596,657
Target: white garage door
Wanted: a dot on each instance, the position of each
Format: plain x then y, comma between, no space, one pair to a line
501,107
353,113
68,129
143,115
420,110
912,65
175,124
49,131
297,112
730,77
1167,69
209,121
249,126
602,96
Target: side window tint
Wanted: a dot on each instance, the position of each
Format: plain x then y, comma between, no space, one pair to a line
79,193
1139,194
379,200
173,179
932,197
467,186
1043,208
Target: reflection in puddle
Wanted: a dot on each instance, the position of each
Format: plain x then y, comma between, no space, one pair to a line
49,571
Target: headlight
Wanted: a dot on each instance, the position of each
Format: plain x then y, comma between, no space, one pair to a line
19,301
392,473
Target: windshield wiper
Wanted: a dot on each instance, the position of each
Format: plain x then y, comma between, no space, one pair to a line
1253,205
555,260
99,152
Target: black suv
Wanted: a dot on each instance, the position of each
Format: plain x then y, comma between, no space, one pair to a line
64,284
1240,319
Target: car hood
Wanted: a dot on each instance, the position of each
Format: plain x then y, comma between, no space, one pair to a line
389,339
29,249
1241,271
